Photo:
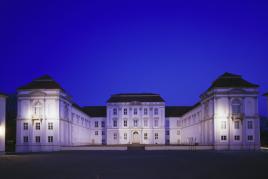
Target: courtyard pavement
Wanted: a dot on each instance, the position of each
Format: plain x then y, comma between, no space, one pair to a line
136,164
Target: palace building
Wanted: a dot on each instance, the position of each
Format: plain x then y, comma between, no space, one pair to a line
226,117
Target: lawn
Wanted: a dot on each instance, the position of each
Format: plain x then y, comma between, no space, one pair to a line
136,164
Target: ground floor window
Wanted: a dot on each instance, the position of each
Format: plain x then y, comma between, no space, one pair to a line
50,139
223,137
250,138
236,137
156,136
115,136
25,126
125,136
37,139
25,139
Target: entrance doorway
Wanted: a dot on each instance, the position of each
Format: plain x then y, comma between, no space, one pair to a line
136,138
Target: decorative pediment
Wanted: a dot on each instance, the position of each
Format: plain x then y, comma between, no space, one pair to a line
37,93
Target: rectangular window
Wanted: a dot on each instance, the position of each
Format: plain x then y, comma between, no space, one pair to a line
135,111
156,136
156,122
125,111
145,111
125,136
50,139
102,124
37,126
236,124
115,111
178,132
223,124
115,123
37,139
156,111
167,132
223,137
125,123
25,126
236,137
96,133
145,136
250,138
25,139
102,132
250,124
96,124
135,123
145,122
115,136
50,126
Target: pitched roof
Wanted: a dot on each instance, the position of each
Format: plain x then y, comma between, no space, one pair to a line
133,97
43,82
2,94
177,111
95,111
231,81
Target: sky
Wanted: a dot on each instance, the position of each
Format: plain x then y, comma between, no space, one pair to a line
98,48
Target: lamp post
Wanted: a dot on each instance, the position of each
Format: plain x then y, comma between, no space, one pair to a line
2,122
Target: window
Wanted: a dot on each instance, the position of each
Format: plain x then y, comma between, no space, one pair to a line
236,124
115,123
135,123
125,136
102,132
125,123
102,124
96,133
37,139
250,124
96,124
145,136
25,139
125,111
145,112
250,138
25,126
156,122
37,109
178,123
115,136
223,124
50,139
236,137
178,132
146,122
167,132
156,136
50,126
135,111
155,111
236,106
223,137
37,126
115,111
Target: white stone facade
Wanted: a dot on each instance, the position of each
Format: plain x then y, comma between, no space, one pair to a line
225,118
2,122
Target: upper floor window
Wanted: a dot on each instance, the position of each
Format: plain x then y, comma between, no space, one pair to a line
156,122
37,109
50,126
145,136
156,111
135,123
96,133
236,106
96,124
102,124
236,124
223,124
115,123
145,122
115,136
145,111
156,136
125,123
135,111
125,111
167,132
250,124
25,126
115,111
37,126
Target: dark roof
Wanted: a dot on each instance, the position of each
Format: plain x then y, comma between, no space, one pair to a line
231,81
177,111
135,97
2,94
95,111
43,82
266,94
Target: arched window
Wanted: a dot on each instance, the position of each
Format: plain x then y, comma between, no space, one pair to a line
236,106
37,109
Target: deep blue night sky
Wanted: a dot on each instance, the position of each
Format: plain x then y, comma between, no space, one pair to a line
97,48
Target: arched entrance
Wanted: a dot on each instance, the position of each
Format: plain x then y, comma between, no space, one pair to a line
135,138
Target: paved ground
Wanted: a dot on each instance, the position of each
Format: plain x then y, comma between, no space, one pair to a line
136,164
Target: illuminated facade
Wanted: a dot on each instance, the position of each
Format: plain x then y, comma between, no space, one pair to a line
226,117
2,122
